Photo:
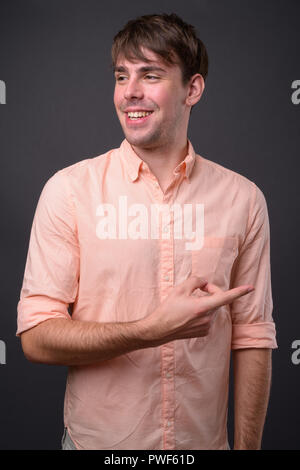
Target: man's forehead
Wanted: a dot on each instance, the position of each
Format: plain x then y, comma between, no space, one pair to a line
152,60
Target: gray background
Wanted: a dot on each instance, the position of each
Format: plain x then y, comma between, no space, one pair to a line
55,61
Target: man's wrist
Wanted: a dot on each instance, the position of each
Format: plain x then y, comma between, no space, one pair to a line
147,334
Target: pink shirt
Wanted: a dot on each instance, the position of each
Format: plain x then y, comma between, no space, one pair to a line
95,244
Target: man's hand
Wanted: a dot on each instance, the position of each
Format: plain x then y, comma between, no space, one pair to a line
188,310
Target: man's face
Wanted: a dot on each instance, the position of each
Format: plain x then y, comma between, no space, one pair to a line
155,89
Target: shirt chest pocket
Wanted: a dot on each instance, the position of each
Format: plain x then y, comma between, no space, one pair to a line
215,259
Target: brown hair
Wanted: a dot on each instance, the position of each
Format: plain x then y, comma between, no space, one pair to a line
166,35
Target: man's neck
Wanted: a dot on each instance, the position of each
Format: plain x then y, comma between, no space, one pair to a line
163,161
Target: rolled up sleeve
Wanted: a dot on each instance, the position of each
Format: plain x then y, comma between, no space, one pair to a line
51,274
252,322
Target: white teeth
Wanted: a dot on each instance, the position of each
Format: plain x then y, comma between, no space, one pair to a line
138,114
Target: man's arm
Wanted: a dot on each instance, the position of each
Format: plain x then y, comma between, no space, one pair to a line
72,342
182,315
252,369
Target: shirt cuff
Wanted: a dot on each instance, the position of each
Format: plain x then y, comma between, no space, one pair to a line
36,309
254,335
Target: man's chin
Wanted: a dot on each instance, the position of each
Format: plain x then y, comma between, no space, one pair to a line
143,142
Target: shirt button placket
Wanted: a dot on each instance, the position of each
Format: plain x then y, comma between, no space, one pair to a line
167,350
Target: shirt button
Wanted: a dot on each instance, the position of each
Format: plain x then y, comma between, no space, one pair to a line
156,185
166,278
166,229
168,375
169,423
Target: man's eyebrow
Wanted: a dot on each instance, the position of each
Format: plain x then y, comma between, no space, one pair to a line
144,69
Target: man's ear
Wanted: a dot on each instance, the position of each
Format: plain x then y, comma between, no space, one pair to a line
195,89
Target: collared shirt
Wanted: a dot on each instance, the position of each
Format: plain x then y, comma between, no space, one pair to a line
107,241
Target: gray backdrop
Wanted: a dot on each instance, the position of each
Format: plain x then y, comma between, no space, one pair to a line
58,109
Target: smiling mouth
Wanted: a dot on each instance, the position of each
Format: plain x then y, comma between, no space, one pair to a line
138,115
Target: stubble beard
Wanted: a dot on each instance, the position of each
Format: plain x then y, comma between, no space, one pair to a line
147,141
161,136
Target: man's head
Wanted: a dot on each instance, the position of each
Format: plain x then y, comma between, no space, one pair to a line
167,42
169,37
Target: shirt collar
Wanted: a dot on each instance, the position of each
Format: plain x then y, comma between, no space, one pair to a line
133,162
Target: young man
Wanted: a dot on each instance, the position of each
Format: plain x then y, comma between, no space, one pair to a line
164,257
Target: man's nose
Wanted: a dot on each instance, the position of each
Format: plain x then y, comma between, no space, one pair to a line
133,89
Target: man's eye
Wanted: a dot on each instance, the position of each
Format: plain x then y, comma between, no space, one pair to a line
121,78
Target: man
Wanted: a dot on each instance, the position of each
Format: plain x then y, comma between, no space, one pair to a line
164,257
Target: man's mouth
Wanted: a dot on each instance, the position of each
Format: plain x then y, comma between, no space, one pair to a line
137,116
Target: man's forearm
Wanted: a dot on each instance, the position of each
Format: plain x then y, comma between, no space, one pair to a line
71,342
252,370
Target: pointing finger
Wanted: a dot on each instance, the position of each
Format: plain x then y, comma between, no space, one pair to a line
224,298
